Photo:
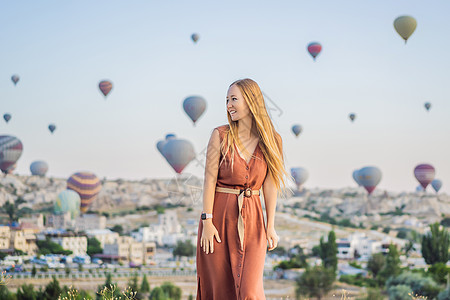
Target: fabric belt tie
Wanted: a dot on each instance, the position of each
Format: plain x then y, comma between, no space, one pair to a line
248,192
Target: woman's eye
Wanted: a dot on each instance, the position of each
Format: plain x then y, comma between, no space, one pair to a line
234,98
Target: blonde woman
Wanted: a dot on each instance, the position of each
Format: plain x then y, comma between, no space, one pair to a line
242,157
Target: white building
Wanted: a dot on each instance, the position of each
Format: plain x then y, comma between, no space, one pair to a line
357,245
126,249
70,241
90,221
104,236
60,221
166,232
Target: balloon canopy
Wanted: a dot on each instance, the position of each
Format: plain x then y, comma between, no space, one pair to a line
369,177
355,177
67,201
424,173
178,153
87,185
352,117
314,49
297,129
51,127
194,107
39,168
195,37
105,87
427,106
300,175
436,184
15,79
405,26
7,117
10,151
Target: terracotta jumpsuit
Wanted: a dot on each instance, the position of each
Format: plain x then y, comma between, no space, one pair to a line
230,273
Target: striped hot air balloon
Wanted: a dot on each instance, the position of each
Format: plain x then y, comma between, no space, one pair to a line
424,174
105,87
87,185
39,168
10,152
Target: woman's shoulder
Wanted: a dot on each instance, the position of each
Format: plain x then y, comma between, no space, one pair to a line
223,128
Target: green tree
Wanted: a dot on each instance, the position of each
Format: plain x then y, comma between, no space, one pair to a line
435,245
52,290
328,251
10,209
416,284
5,294
26,292
392,265
118,229
158,294
439,272
173,292
145,286
33,271
94,247
134,286
315,282
376,263
48,247
184,249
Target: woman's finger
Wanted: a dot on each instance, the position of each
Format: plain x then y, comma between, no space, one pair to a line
211,245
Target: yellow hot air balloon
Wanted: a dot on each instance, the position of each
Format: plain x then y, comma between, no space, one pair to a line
405,26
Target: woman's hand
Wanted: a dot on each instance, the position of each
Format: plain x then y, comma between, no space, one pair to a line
272,238
208,233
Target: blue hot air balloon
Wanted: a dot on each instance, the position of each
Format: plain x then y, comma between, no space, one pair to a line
15,79
68,201
355,177
352,117
195,37
194,107
300,176
436,184
297,129
178,153
369,177
7,117
52,127
39,168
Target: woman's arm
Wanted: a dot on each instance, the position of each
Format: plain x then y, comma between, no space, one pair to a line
270,199
211,171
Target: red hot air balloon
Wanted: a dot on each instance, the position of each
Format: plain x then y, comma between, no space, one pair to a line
314,49
105,87
87,185
10,151
424,173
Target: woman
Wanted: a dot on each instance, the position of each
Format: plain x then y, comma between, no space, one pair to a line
232,238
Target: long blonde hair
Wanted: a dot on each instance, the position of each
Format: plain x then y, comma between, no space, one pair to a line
269,140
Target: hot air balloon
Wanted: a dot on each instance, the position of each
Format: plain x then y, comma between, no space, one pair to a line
194,107
436,184
419,188
405,26
369,177
105,87
297,129
39,168
7,117
195,37
424,173
170,136
352,117
300,176
178,153
10,151
15,79
427,106
68,201
355,177
87,185
51,127
314,49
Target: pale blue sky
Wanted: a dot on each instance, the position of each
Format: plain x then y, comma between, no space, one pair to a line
62,49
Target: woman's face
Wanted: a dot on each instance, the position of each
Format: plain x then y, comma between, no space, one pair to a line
236,105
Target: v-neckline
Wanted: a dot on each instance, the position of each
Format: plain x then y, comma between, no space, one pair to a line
254,153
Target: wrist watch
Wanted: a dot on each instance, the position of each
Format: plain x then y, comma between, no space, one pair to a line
206,216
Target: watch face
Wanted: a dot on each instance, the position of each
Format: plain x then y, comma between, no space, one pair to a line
203,216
